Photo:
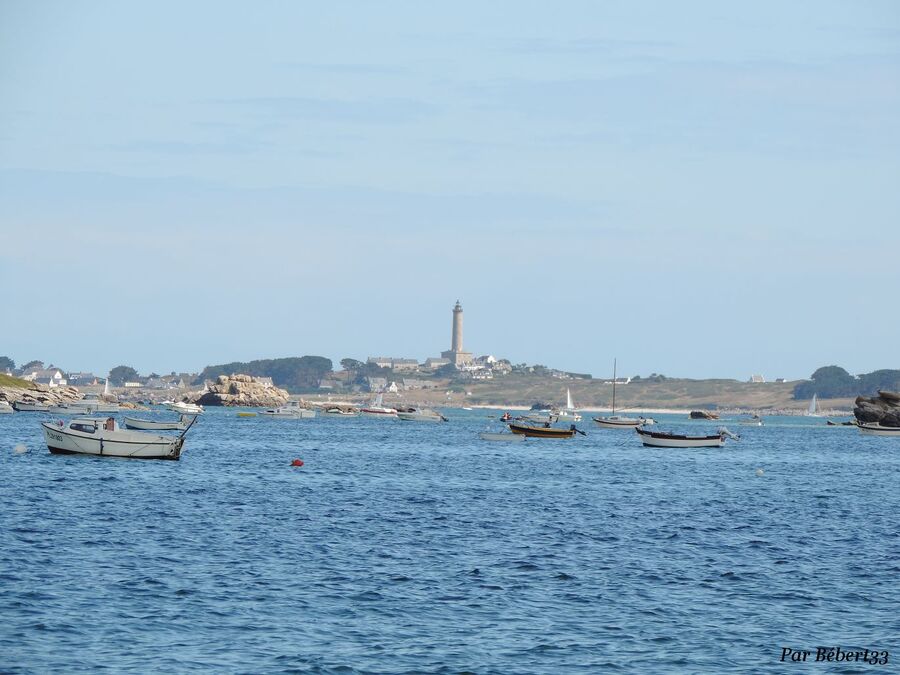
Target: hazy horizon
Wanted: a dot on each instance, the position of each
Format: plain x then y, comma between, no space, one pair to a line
698,190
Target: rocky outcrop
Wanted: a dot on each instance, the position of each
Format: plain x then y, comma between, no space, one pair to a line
242,390
883,409
39,393
704,415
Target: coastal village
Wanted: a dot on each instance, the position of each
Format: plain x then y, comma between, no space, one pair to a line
455,378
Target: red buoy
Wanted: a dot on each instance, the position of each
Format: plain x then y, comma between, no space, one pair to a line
297,462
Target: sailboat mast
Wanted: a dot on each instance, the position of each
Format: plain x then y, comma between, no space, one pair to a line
614,388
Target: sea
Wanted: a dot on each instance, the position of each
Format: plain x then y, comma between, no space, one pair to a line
403,547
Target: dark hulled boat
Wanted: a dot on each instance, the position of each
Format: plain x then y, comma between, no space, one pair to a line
541,432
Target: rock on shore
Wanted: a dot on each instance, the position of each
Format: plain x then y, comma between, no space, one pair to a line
883,409
242,390
39,393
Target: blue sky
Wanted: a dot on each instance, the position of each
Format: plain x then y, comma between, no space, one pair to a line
699,189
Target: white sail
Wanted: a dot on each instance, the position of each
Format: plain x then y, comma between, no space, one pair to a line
813,409
106,387
569,404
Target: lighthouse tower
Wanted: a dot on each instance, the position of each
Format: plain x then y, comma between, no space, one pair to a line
456,355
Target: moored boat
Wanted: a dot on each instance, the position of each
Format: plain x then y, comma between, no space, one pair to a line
664,439
420,415
6,408
621,422
186,408
875,429
568,414
614,421
102,437
180,424
543,431
31,406
752,421
292,409
336,411
378,409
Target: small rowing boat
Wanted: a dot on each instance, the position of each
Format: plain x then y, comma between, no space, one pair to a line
180,424
664,439
542,432
875,429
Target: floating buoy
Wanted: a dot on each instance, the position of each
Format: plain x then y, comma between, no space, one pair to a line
20,449
759,472
297,462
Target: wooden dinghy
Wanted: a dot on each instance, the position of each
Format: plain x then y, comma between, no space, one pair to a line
664,439
542,432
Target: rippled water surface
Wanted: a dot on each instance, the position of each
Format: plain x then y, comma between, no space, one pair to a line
405,547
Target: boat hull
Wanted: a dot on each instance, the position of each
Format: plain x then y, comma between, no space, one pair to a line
620,422
656,439
153,425
878,430
291,415
125,444
31,407
541,432
379,414
415,417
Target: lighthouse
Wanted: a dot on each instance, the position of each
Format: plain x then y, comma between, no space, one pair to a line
456,343
456,355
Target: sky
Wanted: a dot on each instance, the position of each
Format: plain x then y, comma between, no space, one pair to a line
699,189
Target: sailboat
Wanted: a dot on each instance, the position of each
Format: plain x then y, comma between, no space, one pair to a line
568,414
619,421
378,409
813,410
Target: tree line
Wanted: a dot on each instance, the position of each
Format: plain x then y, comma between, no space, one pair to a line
835,382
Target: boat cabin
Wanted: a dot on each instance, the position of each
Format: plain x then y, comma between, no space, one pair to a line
90,425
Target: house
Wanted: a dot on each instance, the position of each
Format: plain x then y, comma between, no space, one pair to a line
410,383
393,388
380,361
434,364
405,365
133,385
52,377
83,379
780,380
376,383
757,379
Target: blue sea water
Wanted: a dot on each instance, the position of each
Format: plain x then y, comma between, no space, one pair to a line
418,548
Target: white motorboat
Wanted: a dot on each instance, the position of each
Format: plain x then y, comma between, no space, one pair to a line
6,408
31,406
87,405
568,414
621,422
539,417
180,424
501,437
185,408
614,421
875,429
663,439
421,415
292,410
752,421
378,409
102,437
